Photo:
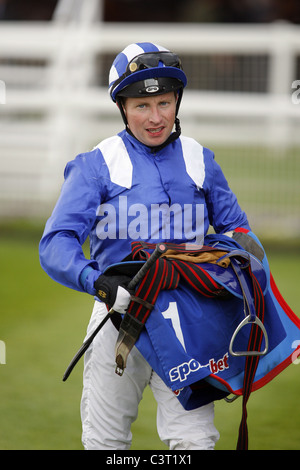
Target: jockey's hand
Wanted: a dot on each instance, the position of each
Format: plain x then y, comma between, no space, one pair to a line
112,291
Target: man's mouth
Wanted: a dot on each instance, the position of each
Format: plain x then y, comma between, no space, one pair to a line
157,130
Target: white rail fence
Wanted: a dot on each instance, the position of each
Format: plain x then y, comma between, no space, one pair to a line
57,105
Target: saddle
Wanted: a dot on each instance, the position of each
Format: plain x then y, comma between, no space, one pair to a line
224,291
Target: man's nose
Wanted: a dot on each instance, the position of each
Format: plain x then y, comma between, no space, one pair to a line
155,116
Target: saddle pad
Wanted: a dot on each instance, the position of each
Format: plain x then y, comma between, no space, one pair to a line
187,336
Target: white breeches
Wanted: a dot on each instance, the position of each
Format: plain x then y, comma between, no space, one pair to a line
109,402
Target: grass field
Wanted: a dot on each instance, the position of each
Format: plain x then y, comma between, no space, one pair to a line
43,324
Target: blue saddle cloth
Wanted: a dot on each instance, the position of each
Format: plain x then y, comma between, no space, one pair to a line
186,338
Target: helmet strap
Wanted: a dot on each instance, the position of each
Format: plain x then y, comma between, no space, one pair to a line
119,102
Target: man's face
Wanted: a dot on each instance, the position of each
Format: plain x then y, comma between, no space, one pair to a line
151,119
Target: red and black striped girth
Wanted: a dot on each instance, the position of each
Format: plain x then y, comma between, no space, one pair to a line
166,274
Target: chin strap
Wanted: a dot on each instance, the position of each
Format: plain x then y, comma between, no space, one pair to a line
169,140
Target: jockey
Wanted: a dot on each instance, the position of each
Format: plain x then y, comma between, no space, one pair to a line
147,183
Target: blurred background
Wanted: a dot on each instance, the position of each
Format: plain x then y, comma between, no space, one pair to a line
242,59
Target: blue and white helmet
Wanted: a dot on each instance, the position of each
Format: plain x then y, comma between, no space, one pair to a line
145,69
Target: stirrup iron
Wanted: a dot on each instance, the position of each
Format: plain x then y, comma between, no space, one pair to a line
244,322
